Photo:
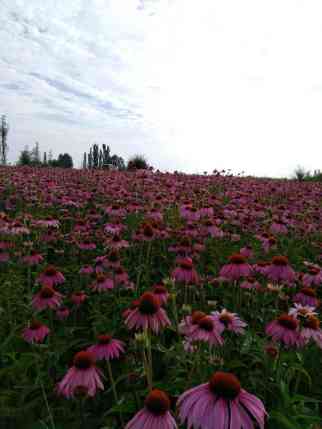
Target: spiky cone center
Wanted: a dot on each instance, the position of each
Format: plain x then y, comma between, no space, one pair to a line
115,207
149,304
197,316
100,278
251,280
84,360
225,385
237,259
206,323
311,322
148,231
119,271
225,318
280,261
157,402
288,321
186,264
307,291
116,239
35,324
104,339
185,242
46,292
50,271
272,351
272,241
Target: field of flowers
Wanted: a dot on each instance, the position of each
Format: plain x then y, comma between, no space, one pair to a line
159,301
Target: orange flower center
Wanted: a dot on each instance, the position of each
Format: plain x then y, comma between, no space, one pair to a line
157,402
225,385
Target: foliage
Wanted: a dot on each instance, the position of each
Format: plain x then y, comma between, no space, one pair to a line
137,162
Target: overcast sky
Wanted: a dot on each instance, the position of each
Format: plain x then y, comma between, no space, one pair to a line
194,85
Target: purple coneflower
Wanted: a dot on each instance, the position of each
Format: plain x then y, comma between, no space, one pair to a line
222,404
185,273
205,330
62,313
155,414
307,296
161,292
33,259
50,277
237,268
83,374
313,277
102,283
35,333
107,348
78,298
311,330
147,315
285,329
280,270
230,321
47,297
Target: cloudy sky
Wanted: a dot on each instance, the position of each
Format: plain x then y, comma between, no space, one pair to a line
194,85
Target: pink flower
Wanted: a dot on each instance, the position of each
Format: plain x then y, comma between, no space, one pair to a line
161,292
155,414
311,330
222,404
83,374
236,269
280,270
62,313
107,348
313,277
229,321
86,270
102,283
35,333
205,330
250,283
33,259
185,273
187,325
307,296
50,277
78,298
285,329
147,315
47,297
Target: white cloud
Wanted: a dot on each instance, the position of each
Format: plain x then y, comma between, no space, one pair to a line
193,85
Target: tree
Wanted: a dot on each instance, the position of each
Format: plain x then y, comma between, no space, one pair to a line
65,161
4,129
137,162
35,155
95,156
45,159
25,157
85,161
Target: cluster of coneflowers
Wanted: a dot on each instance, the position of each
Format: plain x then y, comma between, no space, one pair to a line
184,213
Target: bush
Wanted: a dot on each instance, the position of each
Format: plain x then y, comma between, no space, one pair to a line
137,162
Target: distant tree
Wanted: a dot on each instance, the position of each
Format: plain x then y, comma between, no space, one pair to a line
50,156
25,157
95,156
45,159
100,159
35,155
106,155
90,159
4,129
85,161
65,161
137,162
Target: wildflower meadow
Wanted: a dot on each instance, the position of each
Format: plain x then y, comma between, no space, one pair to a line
148,300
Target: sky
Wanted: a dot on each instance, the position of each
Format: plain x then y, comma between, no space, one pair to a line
193,85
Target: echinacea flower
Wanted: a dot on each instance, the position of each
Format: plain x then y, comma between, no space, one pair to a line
221,404
50,277
311,330
205,330
285,329
62,313
147,315
161,292
185,272
107,348
155,414
83,374
47,297
230,321
307,296
35,333
78,298
33,259
280,270
237,268
102,283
